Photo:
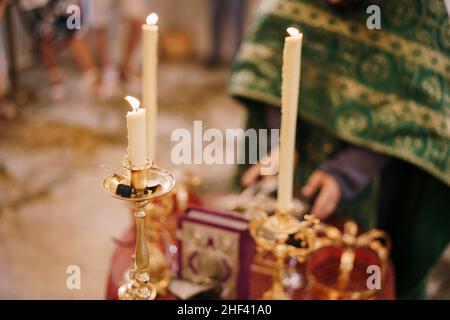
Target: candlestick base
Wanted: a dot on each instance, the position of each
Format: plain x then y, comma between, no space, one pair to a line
148,183
271,235
275,294
158,270
137,287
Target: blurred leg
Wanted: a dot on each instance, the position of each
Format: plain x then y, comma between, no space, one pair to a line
81,53
134,15
131,40
50,60
109,75
101,45
10,39
100,18
217,30
237,8
90,81
7,109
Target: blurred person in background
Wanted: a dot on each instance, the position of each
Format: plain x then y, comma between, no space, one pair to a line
220,10
133,13
373,138
49,25
7,108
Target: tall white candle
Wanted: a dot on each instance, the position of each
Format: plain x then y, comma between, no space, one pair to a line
137,147
149,84
289,109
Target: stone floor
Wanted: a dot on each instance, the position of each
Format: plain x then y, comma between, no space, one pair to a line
53,212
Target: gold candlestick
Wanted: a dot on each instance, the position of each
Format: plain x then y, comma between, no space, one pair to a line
148,183
271,235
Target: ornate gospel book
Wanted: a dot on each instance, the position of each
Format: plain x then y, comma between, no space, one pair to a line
216,248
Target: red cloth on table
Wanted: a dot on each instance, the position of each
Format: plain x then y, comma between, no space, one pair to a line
260,282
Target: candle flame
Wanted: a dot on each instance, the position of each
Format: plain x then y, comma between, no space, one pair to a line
152,19
293,31
134,103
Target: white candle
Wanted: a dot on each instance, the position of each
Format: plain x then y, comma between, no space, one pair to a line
149,85
137,147
289,109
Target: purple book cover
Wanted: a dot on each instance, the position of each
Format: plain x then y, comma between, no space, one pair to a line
203,233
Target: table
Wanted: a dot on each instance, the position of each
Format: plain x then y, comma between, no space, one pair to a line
260,277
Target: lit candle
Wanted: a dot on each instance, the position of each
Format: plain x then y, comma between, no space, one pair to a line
289,109
137,147
149,87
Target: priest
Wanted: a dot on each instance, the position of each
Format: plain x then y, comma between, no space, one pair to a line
374,116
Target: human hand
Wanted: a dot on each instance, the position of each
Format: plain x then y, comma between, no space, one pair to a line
266,166
329,193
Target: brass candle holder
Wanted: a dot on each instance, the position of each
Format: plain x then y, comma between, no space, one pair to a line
147,183
271,234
